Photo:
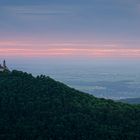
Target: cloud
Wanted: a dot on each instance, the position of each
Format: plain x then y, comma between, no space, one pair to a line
40,43
39,10
71,52
66,49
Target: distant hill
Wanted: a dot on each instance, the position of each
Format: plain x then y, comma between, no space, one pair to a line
131,100
40,108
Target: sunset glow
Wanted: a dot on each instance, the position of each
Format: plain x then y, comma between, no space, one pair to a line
69,30
68,52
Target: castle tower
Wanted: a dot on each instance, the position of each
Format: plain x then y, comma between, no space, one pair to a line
4,64
4,67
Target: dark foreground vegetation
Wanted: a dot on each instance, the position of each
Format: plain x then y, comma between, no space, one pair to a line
40,108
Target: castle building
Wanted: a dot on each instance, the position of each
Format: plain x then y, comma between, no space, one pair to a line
3,67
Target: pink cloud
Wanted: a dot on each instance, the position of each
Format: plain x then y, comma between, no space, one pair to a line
70,52
66,49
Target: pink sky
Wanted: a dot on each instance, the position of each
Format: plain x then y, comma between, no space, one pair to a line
66,49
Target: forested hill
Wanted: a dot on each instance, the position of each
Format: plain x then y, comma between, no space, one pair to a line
40,108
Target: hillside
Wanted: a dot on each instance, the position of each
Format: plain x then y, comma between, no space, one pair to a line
40,108
131,100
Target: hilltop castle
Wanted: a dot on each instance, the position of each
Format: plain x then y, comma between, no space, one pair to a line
4,67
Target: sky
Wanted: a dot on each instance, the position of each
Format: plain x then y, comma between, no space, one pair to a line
70,29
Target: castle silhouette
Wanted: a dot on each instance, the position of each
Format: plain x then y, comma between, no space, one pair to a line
3,67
